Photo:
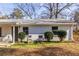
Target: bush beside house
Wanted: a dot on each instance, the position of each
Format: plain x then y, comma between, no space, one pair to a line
21,35
48,35
61,34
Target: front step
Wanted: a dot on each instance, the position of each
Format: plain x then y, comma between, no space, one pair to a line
5,44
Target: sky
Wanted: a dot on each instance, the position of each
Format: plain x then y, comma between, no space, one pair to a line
6,8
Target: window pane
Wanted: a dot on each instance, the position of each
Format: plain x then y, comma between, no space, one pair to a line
25,29
40,36
55,28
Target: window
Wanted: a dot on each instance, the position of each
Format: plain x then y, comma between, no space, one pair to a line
25,29
40,36
54,28
30,36
0,31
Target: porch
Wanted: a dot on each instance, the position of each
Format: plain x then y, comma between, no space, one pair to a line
7,33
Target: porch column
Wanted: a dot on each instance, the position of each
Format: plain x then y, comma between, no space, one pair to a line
13,34
71,32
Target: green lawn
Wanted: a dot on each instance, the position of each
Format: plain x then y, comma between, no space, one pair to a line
42,49
39,45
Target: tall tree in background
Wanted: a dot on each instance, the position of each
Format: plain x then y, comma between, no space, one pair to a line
53,10
76,19
16,14
41,10
29,9
76,16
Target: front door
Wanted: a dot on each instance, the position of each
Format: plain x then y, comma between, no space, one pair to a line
16,33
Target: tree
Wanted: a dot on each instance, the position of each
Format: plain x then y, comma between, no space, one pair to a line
54,10
48,35
16,14
29,9
76,19
61,34
21,35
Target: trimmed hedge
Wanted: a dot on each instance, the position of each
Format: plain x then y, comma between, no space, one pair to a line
21,35
55,32
61,34
48,35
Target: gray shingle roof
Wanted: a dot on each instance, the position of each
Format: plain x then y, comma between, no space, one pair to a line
43,21
37,21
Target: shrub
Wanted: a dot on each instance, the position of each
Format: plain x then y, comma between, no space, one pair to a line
55,32
48,35
21,35
61,34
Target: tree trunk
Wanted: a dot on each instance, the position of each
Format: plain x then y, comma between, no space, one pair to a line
48,40
50,9
21,40
56,16
61,39
56,13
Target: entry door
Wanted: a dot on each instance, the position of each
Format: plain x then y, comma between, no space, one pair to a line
16,33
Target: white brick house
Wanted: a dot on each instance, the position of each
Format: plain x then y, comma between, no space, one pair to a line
9,28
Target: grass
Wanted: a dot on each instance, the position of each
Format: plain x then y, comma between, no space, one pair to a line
42,49
38,45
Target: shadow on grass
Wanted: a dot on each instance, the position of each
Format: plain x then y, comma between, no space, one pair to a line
47,51
54,42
